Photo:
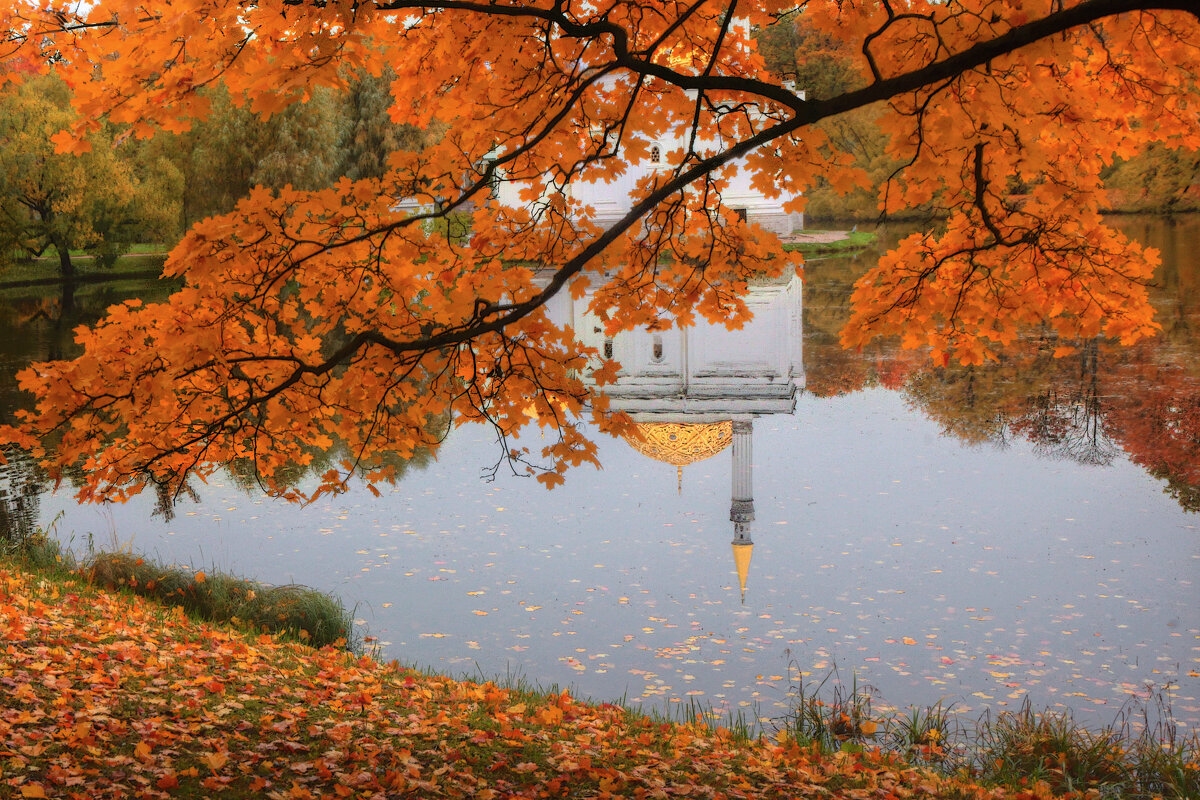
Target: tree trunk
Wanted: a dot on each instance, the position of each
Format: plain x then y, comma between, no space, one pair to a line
65,268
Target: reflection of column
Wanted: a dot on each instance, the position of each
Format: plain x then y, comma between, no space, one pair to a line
741,511
19,499
741,508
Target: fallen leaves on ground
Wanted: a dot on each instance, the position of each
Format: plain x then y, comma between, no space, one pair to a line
104,695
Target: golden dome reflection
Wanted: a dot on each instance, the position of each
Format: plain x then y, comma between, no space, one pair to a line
681,443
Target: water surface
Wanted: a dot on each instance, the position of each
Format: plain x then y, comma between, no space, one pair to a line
978,536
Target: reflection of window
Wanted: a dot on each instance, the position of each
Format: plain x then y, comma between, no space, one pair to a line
608,348
658,349
655,154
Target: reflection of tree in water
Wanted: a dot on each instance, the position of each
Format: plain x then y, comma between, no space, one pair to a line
246,477
1068,421
1088,407
38,324
20,490
165,500
1155,413
962,401
1056,404
830,369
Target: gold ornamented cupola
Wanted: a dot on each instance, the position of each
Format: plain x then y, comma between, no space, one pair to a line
681,443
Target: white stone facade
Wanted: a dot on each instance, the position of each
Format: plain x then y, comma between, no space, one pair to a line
610,200
706,371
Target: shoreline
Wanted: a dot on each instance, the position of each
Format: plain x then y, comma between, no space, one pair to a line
163,704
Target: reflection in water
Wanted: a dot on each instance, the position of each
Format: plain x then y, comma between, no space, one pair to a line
1054,403
39,327
19,491
1042,564
1087,406
693,392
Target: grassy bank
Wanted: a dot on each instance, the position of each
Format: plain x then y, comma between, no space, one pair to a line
145,261
110,694
853,242
1140,755
291,612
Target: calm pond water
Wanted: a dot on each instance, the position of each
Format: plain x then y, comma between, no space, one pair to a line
975,536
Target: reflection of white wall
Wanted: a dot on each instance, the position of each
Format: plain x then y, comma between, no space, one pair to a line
707,368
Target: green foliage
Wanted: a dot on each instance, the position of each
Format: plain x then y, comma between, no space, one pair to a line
1160,179
823,67
369,133
101,201
819,65
307,146
924,735
233,150
831,719
859,134
454,227
35,550
1049,747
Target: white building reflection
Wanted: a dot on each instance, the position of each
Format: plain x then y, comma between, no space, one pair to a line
693,392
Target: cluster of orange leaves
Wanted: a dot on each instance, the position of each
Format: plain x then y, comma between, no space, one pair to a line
105,695
339,318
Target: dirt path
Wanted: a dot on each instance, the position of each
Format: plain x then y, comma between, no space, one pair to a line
816,237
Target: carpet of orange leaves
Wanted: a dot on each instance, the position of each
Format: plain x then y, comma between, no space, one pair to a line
109,696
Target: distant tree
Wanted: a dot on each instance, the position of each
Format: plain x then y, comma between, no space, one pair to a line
1157,179
234,150
93,201
820,64
370,134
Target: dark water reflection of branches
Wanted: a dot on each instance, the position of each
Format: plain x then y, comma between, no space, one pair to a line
1088,407
38,326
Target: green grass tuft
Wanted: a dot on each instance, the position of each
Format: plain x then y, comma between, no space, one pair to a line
1140,756
292,611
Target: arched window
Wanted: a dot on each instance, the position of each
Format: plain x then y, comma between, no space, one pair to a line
655,154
